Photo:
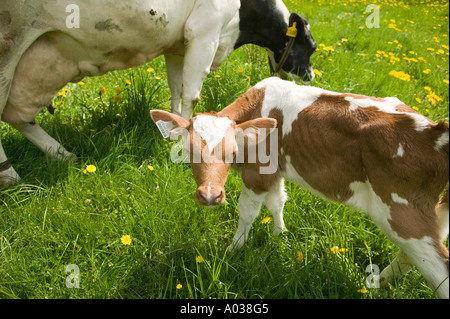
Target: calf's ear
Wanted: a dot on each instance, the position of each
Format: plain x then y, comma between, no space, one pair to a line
254,131
167,122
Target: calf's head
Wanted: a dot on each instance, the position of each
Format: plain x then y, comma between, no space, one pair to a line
211,143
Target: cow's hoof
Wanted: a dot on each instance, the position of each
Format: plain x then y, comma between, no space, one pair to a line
9,178
66,157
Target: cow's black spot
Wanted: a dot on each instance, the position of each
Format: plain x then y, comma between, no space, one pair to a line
107,25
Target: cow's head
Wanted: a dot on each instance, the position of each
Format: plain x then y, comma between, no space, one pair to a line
212,144
265,23
297,62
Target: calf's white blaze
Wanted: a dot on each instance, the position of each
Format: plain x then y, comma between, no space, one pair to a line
211,129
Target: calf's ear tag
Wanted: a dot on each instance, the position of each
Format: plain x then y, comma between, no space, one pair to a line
162,126
292,31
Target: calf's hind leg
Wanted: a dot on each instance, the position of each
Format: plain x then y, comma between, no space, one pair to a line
274,201
417,233
402,264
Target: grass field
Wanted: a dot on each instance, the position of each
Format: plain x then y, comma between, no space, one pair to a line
64,214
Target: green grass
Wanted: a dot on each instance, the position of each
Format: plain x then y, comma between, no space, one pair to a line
60,216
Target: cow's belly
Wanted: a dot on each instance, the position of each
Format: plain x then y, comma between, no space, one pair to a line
41,73
121,34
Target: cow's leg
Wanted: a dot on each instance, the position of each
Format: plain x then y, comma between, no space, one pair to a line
8,175
249,207
174,65
197,65
202,33
274,201
36,135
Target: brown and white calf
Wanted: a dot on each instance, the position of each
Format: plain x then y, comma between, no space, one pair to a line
373,154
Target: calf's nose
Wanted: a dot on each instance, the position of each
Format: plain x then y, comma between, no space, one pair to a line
210,196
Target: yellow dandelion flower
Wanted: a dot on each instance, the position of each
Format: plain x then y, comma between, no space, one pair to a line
157,78
62,94
91,169
433,98
126,240
427,71
64,123
300,256
150,70
363,291
334,249
427,88
415,108
400,75
81,83
179,286
128,82
418,100
266,220
151,168
317,72
422,59
217,76
241,71
199,259
102,91
445,81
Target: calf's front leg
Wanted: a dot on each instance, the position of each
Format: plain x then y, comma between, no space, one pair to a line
249,207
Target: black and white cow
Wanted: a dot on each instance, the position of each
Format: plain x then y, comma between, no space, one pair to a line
43,47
